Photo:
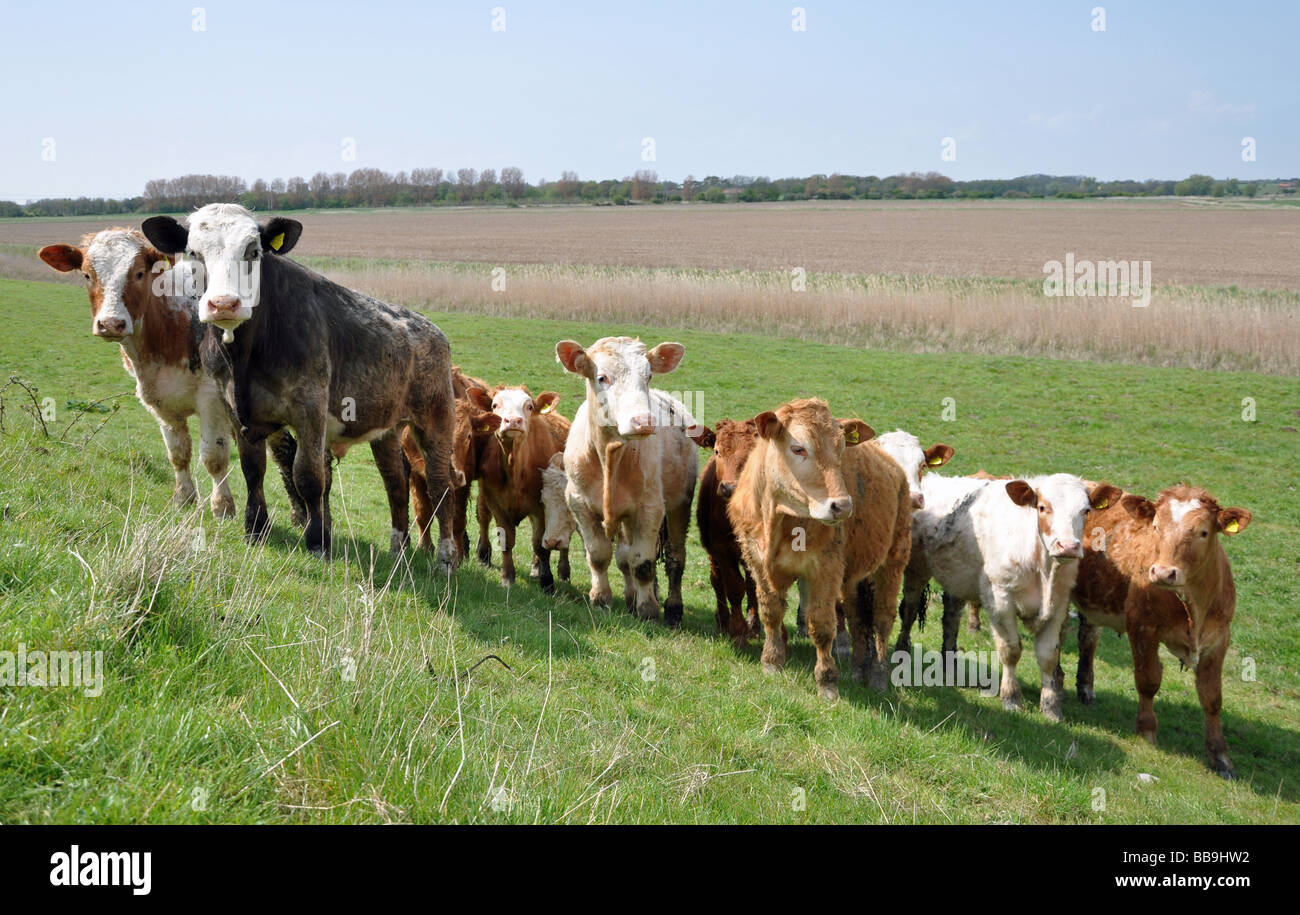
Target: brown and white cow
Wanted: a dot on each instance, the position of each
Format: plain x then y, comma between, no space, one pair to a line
560,523
812,504
527,432
1158,572
141,302
732,583
632,467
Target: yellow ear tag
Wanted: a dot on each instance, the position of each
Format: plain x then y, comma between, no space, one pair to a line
1232,527
1104,503
936,461
851,436
548,408
483,427
277,242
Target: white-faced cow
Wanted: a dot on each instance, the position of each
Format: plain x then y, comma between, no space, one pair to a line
336,366
632,467
812,503
1013,547
1157,571
147,306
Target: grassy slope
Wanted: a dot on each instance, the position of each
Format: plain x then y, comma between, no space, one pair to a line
220,662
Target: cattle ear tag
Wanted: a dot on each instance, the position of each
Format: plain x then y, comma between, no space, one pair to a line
548,408
483,427
1232,527
851,436
277,242
1104,503
936,461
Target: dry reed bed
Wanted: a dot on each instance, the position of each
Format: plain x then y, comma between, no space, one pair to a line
1197,327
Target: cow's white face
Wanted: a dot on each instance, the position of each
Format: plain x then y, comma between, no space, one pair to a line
618,372
514,407
906,449
1062,503
228,244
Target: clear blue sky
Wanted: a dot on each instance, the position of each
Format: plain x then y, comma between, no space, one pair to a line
129,91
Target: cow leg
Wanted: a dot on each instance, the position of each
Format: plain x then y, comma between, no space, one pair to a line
252,463
1147,673
392,467
801,612
284,449
719,579
1006,636
951,622
1089,635
771,609
599,551
863,610
678,520
483,515
177,439
621,551
541,555
885,584
973,621
1209,688
751,595
562,568
843,645
419,490
737,585
214,450
507,551
915,594
640,558
309,471
459,518
1047,651
823,590
434,439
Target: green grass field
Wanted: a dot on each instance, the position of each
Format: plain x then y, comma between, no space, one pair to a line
260,685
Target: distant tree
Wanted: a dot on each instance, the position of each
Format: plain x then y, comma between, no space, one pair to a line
1194,186
512,180
568,186
466,180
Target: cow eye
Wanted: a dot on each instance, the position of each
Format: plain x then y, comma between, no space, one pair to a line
86,277
799,450
529,406
602,379
1205,533
139,274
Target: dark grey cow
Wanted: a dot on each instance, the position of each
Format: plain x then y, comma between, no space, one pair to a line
336,366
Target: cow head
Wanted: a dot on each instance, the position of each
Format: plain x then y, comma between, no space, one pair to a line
119,268
472,431
1186,522
618,371
802,447
906,449
1062,503
733,442
560,523
514,407
229,244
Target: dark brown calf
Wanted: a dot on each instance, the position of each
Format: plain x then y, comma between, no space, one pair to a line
1157,571
732,583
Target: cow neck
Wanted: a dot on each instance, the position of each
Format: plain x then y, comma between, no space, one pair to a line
240,353
1199,593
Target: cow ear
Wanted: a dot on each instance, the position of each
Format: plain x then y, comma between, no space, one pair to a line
938,455
486,422
480,398
1022,493
573,357
280,234
856,431
62,257
166,234
557,461
1141,508
546,401
1104,495
767,424
702,435
665,357
1232,520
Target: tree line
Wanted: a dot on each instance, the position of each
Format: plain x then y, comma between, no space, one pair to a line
372,187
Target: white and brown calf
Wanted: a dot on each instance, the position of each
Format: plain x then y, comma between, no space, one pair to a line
138,301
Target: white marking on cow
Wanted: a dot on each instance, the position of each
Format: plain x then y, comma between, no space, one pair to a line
111,254
1178,508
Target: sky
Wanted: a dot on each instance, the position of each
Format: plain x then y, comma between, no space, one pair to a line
100,97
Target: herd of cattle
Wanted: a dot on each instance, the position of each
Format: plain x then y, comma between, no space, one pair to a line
792,496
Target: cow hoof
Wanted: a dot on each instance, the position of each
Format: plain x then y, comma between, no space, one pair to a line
877,678
1223,768
802,630
770,668
861,672
1087,695
1052,712
673,614
600,599
298,517
484,554
507,583
182,498
842,647
321,553
903,645
829,691
224,508
1011,703
1149,737
397,541
547,585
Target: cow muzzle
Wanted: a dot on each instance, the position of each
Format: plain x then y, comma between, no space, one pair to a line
726,489
1067,549
640,426
918,501
1167,576
111,329
833,511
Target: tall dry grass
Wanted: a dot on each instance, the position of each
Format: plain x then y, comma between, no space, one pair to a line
1221,328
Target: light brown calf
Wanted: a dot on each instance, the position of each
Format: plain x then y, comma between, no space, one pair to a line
1157,571
810,504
